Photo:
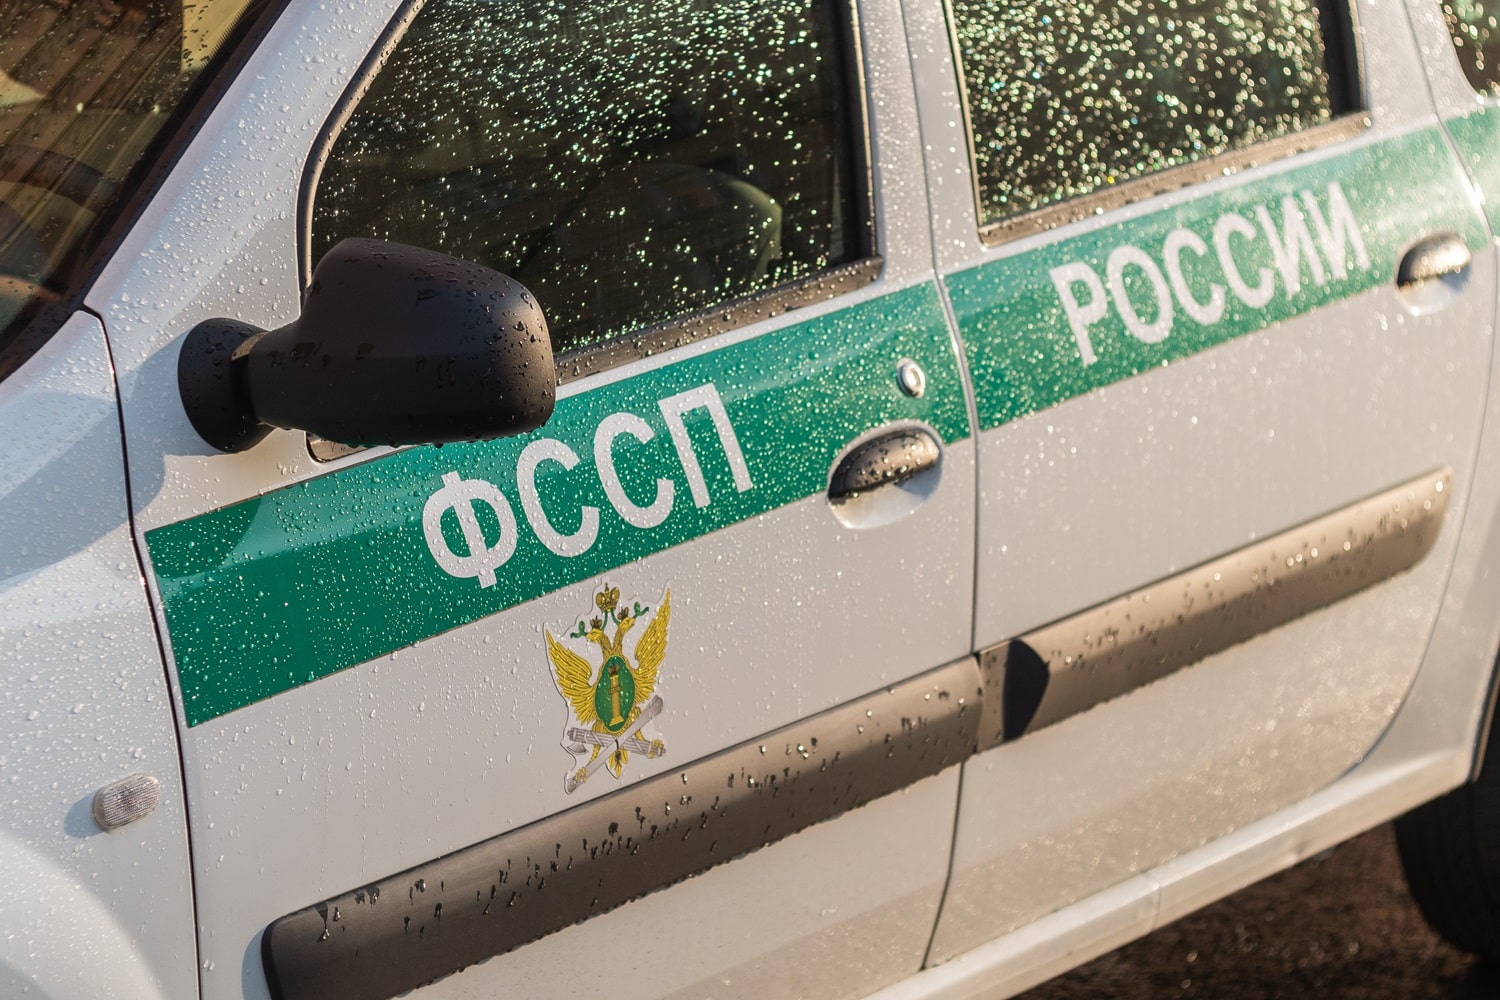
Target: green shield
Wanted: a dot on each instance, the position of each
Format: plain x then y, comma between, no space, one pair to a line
614,694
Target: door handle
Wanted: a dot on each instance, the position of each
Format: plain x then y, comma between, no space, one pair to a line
884,461
1441,255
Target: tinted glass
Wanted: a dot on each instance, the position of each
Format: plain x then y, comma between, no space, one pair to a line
85,87
1475,28
628,162
1069,98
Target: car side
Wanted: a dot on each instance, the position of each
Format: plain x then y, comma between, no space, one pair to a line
1014,477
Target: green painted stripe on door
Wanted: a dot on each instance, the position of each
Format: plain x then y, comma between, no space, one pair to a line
1022,351
281,590
278,591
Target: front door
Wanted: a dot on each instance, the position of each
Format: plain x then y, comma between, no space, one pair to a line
437,703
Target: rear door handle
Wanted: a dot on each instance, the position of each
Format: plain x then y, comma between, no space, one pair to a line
884,461
1441,255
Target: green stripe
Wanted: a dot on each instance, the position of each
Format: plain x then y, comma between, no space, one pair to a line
1477,136
281,590
1023,355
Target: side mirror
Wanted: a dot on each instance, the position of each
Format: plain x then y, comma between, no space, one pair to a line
395,345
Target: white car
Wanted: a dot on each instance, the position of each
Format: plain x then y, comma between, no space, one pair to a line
732,498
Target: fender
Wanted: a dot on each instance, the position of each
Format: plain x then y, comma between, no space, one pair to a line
62,941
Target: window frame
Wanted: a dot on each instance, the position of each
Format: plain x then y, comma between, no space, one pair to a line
652,339
1339,20
140,185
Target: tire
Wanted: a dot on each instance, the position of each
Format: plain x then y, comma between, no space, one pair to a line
1450,850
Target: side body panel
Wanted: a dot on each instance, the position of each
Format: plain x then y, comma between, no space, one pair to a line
1097,480
85,912
353,710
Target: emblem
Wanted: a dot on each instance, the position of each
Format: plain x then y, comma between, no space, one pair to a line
610,709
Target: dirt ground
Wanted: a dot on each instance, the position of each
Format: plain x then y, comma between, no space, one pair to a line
1340,926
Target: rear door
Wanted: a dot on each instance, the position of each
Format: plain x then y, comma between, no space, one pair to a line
440,702
1226,298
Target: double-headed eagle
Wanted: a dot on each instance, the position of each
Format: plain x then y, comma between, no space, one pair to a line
616,703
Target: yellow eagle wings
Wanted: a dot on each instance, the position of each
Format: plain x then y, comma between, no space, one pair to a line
650,651
574,679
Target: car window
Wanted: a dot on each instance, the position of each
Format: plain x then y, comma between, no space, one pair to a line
1474,26
1068,99
628,162
85,90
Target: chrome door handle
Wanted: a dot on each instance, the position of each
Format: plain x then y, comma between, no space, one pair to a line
1437,256
884,461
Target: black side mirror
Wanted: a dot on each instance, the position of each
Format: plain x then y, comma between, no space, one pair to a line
395,345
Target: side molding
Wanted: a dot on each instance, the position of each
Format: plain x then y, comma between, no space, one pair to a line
484,900
1072,665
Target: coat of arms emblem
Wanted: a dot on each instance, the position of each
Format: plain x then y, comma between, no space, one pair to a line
610,709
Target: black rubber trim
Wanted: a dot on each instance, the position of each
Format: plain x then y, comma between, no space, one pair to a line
1346,90
322,146
430,921
850,67
1063,669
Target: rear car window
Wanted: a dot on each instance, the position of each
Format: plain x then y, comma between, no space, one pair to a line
1067,99
628,162
86,89
1474,26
